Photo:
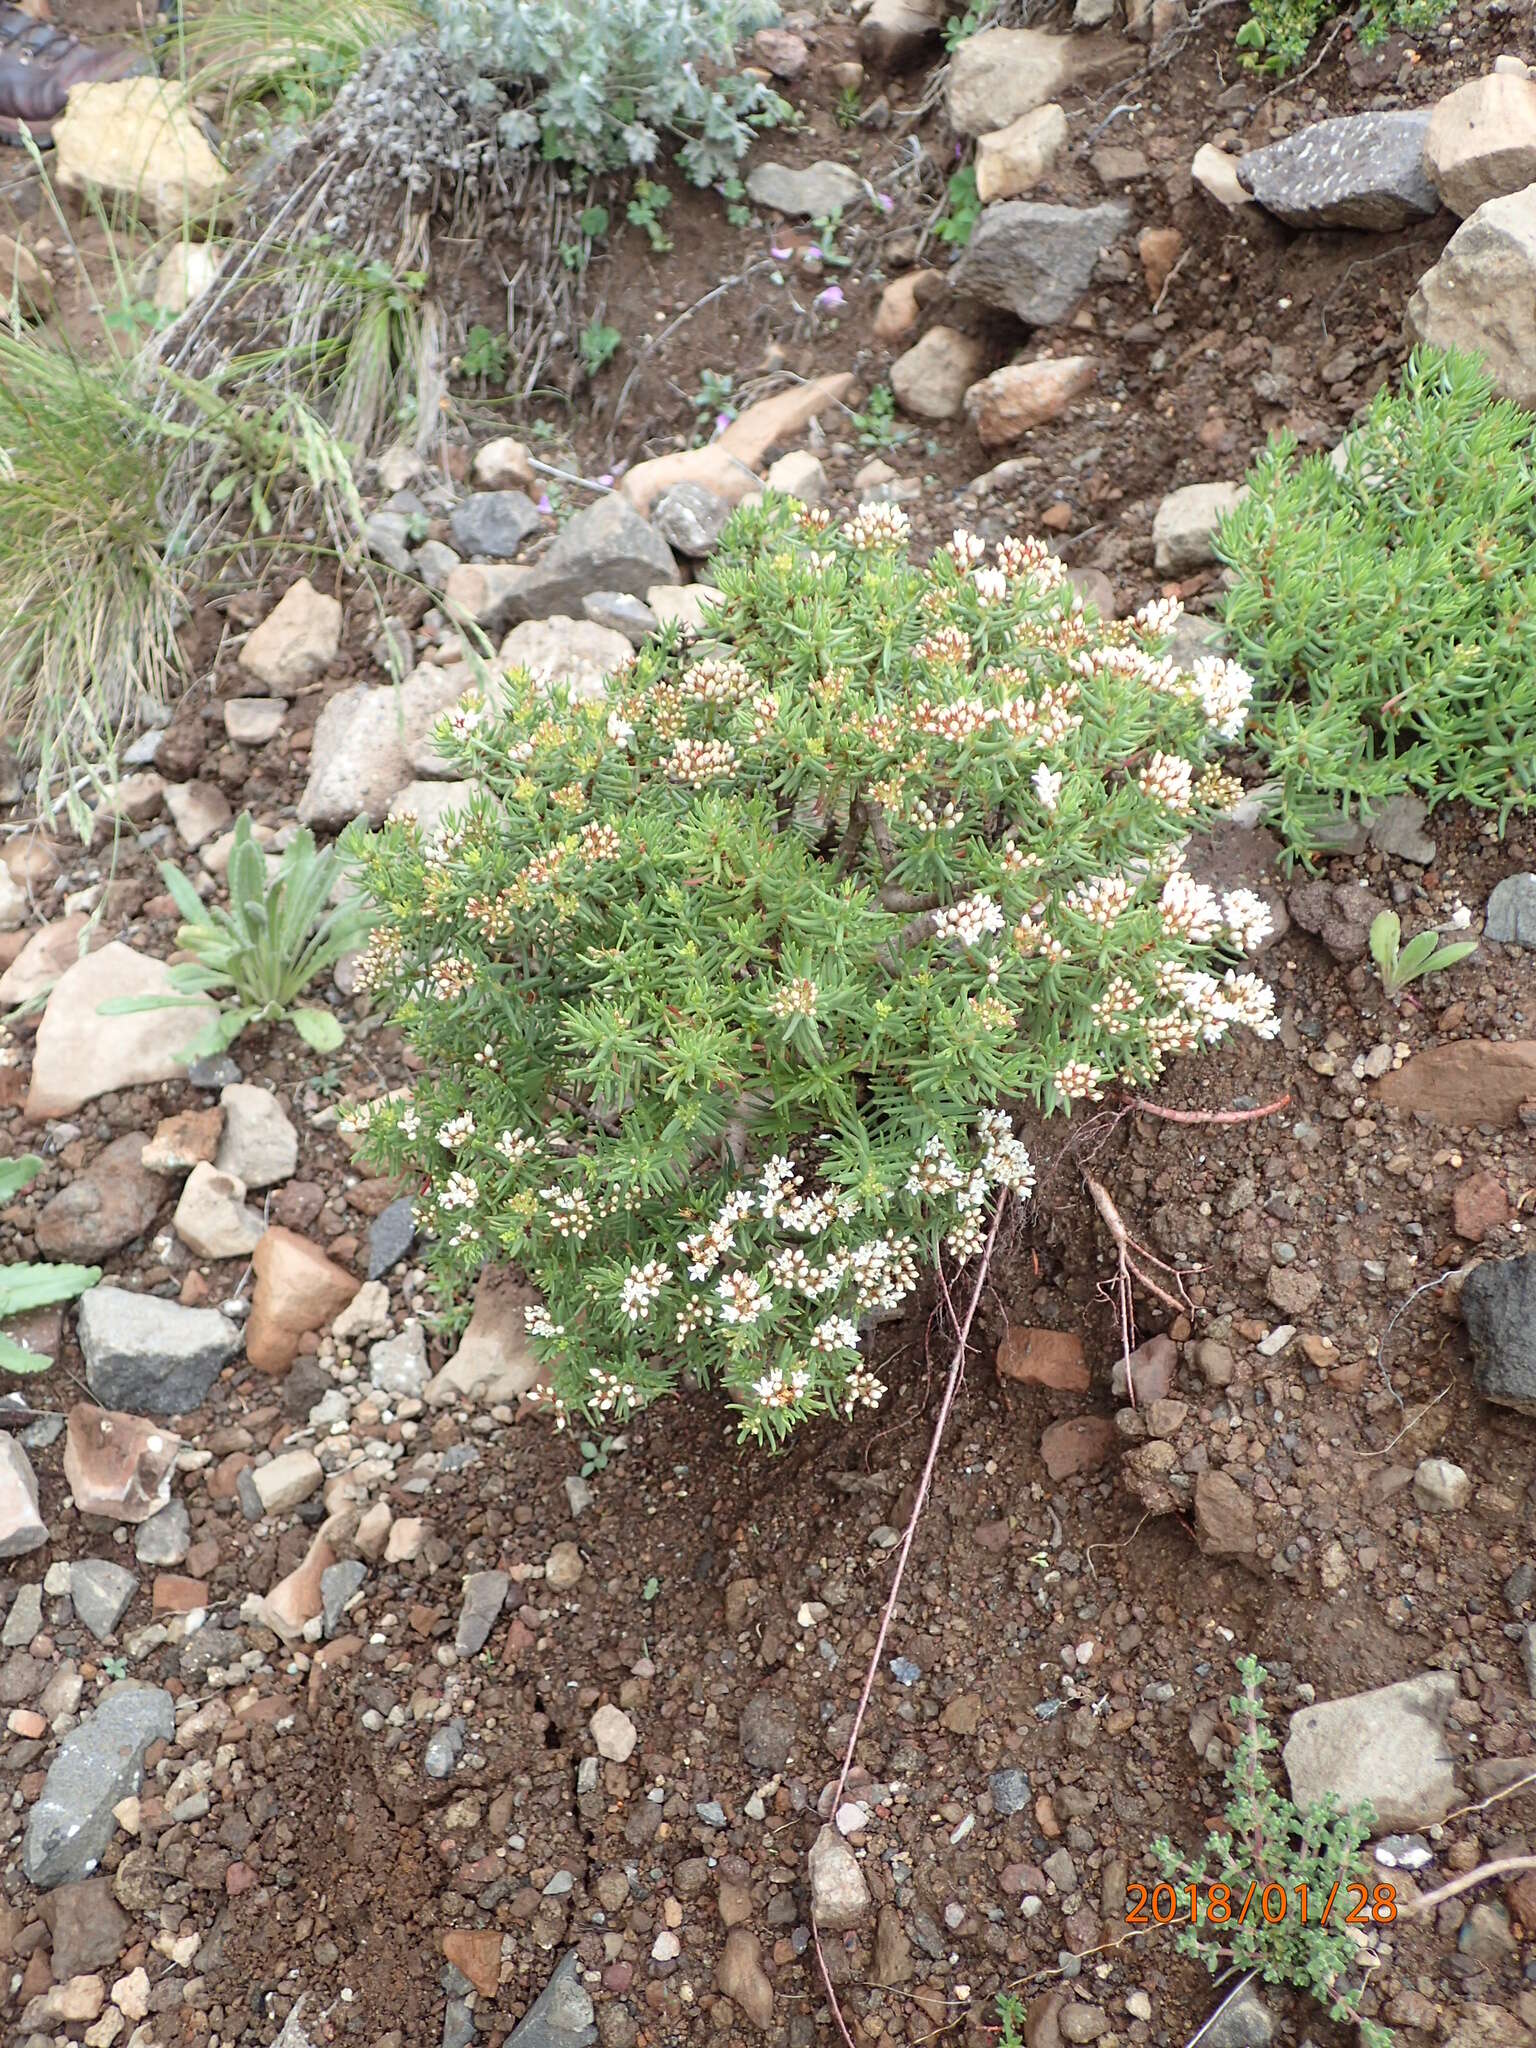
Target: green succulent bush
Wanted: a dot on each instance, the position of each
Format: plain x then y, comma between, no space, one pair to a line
617,83
1275,1889
720,984
1386,607
1278,33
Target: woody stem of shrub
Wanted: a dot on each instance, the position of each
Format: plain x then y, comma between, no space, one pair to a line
1118,1290
951,1387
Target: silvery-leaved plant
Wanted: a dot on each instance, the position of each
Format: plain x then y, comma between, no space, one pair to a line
617,82
255,959
719,984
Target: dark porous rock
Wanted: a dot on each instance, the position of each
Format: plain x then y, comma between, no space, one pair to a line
1361,171
1498,1300
390,1237
1340,916
1036,261
493,523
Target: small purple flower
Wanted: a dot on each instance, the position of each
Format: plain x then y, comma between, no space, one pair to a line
606,479
885,202
780,255
544,505
830,298
722,421
812,254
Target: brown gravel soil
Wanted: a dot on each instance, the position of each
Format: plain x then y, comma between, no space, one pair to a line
291,1844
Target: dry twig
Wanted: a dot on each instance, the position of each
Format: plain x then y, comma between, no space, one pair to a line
962,1326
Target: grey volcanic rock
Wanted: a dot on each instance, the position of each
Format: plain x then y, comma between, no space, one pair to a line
1036,261
98,1764
1361,171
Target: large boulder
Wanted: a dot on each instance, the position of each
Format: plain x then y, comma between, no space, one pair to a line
1036,261
1361,171
1481,295
1002,73
1481,141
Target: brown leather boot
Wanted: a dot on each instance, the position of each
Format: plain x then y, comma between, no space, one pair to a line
38,65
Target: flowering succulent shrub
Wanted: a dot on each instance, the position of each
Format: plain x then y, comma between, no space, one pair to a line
619,80
720,985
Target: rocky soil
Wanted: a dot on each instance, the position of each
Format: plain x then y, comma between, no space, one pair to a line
345,1701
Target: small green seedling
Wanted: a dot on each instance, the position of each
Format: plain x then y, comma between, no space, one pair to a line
598,344
877,425
484,354
1010,2013
256,959
25,1287
962,209
1422,955
645,210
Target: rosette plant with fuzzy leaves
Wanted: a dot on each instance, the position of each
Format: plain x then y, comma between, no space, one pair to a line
720,985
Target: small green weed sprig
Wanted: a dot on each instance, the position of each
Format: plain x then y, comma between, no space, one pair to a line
255,959
718,987
1387,611
1278,33
26,1284
962,209
1268,1842
1398,965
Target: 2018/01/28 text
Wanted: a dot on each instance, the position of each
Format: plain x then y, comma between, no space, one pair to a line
1221,1905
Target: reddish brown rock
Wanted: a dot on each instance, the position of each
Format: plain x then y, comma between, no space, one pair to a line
184,1141
1005,406
174,1594
1479,1205
1224,1516
118,1465
298,1290
294,1600
1159,250
477,1952
1077,1445
114,1201
1151,1371
1470,1081
1044,1358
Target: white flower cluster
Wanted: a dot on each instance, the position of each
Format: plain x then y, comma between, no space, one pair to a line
970,920
698,762
1192,910
795,999
642,1289
877,525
